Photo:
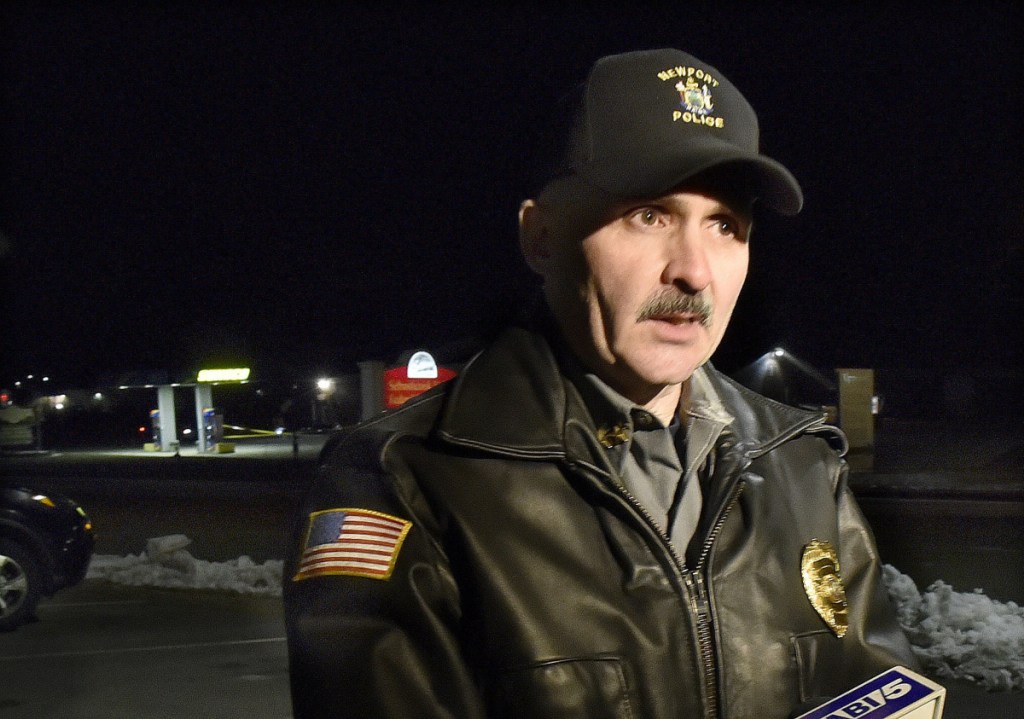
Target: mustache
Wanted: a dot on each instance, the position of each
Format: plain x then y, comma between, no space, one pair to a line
670,302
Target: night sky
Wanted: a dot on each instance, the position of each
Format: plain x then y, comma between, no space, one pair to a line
299,186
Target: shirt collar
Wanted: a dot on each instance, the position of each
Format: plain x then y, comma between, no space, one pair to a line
617,418
705,401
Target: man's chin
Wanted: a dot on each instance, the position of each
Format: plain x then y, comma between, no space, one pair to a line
672,370
648,380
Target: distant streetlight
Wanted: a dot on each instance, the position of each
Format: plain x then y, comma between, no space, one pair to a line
325,384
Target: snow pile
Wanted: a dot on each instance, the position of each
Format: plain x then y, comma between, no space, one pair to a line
961,635
166,563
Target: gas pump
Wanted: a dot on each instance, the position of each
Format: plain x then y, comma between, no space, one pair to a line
209,428
154,423
213,428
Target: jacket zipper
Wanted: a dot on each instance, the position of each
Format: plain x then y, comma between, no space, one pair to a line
702,604
707,652
694,581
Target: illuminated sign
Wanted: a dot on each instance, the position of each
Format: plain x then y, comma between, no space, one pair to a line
422,366
237,374
403,383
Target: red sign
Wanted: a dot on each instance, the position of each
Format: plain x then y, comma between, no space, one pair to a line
399,388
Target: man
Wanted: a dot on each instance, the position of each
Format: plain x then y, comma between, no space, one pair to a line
590,521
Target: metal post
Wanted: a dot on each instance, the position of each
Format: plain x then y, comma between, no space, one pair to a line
204,399
168,421
371,388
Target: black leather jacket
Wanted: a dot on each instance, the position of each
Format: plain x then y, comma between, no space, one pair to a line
530,584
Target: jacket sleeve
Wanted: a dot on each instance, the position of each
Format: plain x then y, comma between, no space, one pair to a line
363,646
874,641
872,614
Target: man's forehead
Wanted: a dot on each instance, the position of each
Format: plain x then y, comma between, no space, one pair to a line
681,197
733,190
580,202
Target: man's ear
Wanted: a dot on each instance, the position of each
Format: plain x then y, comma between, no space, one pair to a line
534,237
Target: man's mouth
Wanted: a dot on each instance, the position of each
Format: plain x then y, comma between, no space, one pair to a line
678,318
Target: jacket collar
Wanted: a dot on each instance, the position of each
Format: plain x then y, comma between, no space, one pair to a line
512,399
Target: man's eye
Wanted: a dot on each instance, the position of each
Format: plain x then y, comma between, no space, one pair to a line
727,226
647,216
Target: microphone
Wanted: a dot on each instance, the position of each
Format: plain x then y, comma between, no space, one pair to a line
896,693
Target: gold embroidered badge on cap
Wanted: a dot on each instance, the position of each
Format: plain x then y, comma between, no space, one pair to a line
695,87
819,568
695,98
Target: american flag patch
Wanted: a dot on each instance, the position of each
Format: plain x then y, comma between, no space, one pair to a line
354,542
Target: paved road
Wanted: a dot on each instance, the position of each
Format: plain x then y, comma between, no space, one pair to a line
969,544
104,651
227,504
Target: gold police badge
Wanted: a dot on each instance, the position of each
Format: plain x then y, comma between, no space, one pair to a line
819,568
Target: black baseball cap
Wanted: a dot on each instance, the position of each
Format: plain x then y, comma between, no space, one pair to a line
646,122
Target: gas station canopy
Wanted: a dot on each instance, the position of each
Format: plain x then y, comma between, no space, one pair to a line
165,422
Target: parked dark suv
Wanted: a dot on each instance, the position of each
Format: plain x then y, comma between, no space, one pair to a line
46,542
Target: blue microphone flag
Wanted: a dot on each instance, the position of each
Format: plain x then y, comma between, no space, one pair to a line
896,693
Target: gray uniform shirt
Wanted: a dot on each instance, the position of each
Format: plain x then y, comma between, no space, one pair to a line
659,465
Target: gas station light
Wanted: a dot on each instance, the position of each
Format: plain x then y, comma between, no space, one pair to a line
234,374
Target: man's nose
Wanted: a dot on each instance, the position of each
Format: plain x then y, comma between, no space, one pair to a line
686,262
